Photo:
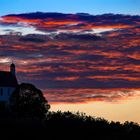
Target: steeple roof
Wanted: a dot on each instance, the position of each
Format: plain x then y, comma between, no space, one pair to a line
12,65
7,79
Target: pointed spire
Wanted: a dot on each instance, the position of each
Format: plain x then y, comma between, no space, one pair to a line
13,68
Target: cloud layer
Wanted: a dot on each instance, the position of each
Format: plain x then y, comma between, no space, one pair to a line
75,57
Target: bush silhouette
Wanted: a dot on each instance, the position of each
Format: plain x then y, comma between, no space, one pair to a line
83,127
28,101
67,125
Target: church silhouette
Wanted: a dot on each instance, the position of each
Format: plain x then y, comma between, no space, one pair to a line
8,83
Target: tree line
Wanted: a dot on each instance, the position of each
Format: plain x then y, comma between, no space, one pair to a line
28,117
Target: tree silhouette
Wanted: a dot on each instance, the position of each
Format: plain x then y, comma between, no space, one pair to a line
28,101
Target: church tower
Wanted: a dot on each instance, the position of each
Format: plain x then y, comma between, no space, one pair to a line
13,69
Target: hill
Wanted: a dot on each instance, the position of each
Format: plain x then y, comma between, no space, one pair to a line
66,125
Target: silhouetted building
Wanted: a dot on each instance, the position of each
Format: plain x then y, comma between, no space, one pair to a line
8,83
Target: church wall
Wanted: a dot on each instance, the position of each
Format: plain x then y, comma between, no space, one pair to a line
5,93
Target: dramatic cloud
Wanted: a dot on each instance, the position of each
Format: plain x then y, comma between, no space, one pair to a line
74,57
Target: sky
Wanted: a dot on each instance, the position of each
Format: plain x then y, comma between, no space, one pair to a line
70,6
82,62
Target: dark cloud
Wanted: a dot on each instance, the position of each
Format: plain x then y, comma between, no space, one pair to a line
78,64
31,39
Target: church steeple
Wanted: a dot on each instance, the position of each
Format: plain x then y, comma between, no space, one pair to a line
13,69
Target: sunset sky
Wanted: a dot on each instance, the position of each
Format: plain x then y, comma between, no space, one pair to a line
70,6
83,55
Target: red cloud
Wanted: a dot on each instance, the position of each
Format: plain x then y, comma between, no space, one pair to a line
77,67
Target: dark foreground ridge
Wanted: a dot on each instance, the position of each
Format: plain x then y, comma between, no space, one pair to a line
28,117
67,125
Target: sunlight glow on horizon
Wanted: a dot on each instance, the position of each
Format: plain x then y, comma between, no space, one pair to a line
126,110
